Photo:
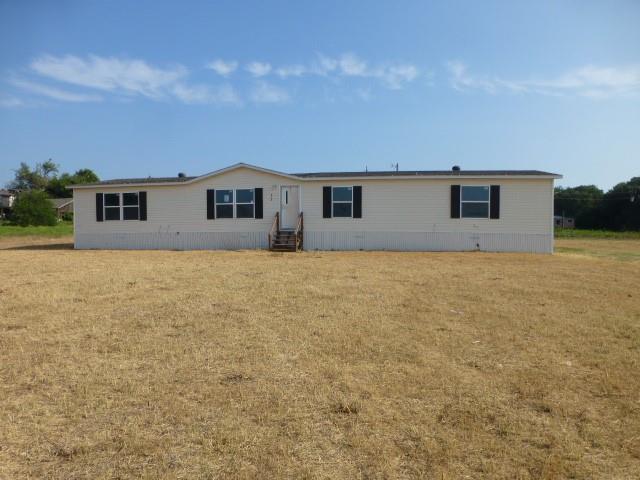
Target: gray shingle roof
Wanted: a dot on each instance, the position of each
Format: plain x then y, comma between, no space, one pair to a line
124,181
59,202
423,173
388,173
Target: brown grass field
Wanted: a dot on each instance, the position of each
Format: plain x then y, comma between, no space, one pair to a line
319,365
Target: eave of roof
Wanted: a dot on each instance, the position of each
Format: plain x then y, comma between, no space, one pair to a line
411,174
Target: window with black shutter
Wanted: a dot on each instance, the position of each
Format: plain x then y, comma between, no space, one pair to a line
494,207
326,202
258,201
99,207
455,201
357,202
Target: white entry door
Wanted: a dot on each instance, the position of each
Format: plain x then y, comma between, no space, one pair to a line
289,207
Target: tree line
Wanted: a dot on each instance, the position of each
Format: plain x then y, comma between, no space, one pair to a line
592,208
35,186
46,177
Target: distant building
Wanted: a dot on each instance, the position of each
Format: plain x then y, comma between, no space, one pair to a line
7,197
563,222
62,205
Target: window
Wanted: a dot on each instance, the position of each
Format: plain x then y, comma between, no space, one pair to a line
112,206
130,208
244,203
474,202
224,203
342,201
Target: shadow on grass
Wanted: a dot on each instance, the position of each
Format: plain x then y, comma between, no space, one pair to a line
45,246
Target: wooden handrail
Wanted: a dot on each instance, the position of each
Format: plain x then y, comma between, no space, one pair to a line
275,227
298,232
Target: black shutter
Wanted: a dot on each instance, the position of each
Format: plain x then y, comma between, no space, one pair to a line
99,207
494,207
211,204
455,201
142,205
257,196
357,202
326,202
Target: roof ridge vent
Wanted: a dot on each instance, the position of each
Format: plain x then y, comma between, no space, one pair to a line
455,168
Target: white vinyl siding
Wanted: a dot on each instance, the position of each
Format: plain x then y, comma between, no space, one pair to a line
392,208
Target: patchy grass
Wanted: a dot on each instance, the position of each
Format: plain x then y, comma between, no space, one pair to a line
619,249
117,364
62,229
606,234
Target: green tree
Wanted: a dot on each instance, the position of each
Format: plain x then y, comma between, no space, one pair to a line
85,175
583,203
621,206
38,178
57,186
33,207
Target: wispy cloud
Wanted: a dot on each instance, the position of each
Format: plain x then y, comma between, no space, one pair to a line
264,92
204,94
258,69
392,75
352,66
110,74
54,93
587,81
223,68
94,78
291,71
123,78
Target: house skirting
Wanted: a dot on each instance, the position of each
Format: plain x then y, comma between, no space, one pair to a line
395,241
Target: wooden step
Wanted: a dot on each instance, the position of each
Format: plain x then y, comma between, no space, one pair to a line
283,248
284,241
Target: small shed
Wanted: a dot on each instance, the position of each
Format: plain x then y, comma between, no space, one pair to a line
564,222
62,206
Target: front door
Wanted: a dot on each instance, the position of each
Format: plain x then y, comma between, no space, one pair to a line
289,207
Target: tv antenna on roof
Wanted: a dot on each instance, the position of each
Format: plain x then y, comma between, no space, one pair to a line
395,165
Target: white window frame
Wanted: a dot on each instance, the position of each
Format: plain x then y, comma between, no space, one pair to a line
252,203
123,206
235,203
488,201
105,206
341,201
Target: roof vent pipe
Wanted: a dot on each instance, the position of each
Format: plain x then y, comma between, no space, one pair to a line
455,168
181,175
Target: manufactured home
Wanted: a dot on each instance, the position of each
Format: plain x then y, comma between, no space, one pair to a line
248,207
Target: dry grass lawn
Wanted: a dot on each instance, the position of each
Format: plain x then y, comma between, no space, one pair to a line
320,365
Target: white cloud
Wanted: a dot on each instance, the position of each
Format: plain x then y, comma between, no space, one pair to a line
266,93
258,69
396,76
588,81
126,78
352,66
54,93
392,76
223,68
123,79
203,94
110,74
291,71
324,65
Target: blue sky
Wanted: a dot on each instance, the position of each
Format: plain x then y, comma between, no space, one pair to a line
156,88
